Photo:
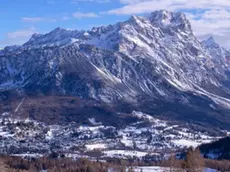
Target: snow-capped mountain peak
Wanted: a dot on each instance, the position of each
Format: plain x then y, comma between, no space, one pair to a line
220,55
167,21
210,42
35,36
163,18
57,37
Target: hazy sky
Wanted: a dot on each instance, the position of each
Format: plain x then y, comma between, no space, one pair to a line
21,18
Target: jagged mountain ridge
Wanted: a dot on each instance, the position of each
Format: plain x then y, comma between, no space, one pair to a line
147,62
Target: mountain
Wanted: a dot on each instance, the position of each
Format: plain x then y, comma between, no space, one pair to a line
153,64
220,55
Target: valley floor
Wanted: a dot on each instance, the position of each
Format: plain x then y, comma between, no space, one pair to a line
149,136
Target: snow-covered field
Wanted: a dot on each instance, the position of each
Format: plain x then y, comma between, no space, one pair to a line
161,169
124,153
186,143
150,169
96,146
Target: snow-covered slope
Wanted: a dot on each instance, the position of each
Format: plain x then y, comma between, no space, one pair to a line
155,59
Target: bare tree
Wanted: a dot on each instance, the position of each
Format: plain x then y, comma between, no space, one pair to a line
174,164
194,161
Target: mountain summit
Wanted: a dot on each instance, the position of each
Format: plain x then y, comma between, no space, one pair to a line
165,18
153,64
210,42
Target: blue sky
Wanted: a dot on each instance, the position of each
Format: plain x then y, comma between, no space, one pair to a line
21,18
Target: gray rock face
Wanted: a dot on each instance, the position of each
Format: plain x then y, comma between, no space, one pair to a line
153,59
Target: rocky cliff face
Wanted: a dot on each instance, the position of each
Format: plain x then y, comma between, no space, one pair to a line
154,64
